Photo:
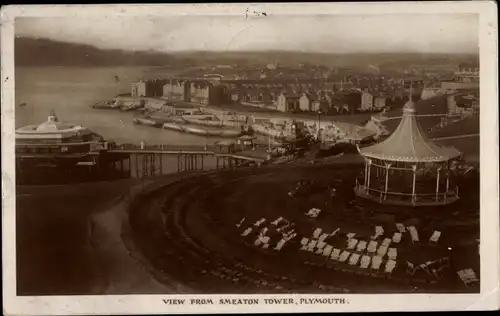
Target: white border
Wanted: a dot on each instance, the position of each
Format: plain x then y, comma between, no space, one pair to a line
148,304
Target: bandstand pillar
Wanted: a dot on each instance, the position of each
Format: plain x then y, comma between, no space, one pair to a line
447,183
367,183
437,183
387,167
414,168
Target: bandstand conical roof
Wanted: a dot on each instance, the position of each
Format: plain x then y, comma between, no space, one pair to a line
409,144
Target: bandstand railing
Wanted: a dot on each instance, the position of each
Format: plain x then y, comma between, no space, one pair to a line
418,198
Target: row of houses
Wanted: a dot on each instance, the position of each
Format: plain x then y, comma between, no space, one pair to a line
285,96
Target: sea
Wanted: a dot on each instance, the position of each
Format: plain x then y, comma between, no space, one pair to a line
70,92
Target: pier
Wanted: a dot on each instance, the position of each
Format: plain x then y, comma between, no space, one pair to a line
158,160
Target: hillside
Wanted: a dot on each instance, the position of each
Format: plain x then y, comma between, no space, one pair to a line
44,52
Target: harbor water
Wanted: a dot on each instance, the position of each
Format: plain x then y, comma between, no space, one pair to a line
70,92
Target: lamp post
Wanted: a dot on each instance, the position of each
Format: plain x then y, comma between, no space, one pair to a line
319,125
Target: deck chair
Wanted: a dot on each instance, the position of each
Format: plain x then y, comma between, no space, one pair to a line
265,246
400,227
413,233
290,237
376,262
389,266
471,276
320,245
317,232
259,222
382,250
258,242
424,267
327,250
241,222
304,241
277,221
323,237
379,231
344,255
350,235
435,237
365,262
263,231
392,253
354,259
372,246
396,238
351,243
361,246
246,232
265,239
280,245
386,242
335,254
463,276
311,246
410,268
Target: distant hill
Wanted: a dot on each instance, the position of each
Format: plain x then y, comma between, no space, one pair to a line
45,52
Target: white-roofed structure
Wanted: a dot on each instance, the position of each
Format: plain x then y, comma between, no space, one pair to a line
397,169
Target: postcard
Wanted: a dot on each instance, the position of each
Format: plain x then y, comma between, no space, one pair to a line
250,158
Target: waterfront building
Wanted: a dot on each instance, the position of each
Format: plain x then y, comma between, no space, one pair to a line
57,144
408,168
305,102
287,102
465,77
175,90
366,101
379,102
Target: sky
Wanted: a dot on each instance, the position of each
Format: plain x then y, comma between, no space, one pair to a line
430,33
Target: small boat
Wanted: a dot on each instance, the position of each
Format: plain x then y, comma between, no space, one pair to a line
146,121
23,104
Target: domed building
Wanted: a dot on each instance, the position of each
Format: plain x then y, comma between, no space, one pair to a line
408,168
57,144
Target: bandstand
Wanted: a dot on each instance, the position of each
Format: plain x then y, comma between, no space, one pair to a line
407,168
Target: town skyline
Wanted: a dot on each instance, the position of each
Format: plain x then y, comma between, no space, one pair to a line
448,34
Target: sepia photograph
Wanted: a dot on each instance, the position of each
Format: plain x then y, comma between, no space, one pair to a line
247,157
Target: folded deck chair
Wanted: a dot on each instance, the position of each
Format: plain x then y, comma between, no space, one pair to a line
365,262
413,233
277,221
280,244
344,255
376,262
335,232
435,237
392,253
361,246
389,266
246,231
259,222
317,232
379,231
396,238
241,222
290,237
323,237
351,243
335,254
304,241
382,250
372,246
386,242
327,250
401,228
354,259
